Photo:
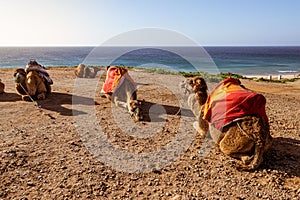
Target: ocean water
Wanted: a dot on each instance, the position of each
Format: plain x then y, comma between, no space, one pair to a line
241,60
15,57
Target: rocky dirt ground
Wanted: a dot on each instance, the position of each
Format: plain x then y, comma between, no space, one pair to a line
47,154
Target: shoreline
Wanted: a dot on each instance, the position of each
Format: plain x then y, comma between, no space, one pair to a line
286,76
274,76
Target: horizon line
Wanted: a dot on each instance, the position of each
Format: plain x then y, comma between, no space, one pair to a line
274,45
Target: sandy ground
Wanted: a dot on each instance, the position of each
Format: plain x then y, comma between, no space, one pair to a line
79,146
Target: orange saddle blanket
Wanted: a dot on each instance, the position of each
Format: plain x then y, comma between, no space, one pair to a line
230,101
114,78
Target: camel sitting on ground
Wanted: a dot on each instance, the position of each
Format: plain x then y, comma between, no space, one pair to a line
83,71
30,85
120,88
236,118
33,82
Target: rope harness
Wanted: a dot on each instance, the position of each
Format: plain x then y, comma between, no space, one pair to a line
35,103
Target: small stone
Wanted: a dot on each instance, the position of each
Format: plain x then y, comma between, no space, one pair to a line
140,192
30,183
193,157
156,171
176,197
258,195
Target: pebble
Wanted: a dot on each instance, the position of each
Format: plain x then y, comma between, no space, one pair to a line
30,183
177,197
140,192
64,167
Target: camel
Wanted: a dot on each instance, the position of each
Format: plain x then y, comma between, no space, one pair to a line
236,120
121,90
83,71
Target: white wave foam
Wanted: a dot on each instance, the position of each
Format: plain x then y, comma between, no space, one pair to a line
287,71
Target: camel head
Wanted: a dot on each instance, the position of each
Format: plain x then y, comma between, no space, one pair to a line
19,75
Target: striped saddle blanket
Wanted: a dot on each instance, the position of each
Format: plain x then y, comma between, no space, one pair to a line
230,101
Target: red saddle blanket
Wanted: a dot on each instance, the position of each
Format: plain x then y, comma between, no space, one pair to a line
114,78
229,101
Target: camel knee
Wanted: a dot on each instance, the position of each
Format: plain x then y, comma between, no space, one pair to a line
41,96
26,98
31,91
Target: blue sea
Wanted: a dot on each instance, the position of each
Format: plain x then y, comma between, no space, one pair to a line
241,60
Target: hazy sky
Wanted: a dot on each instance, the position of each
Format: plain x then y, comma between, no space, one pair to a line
91,22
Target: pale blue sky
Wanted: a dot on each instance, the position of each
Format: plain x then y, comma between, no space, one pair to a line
91,22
